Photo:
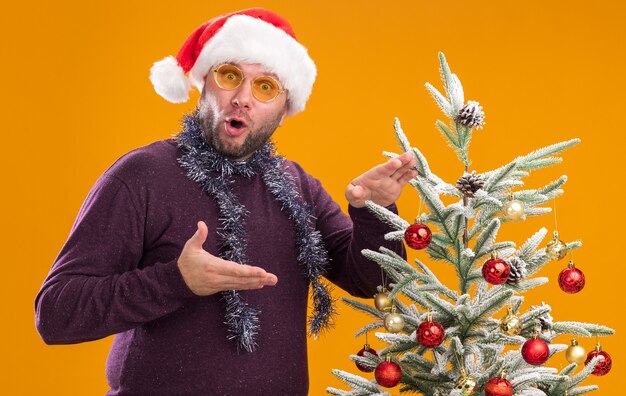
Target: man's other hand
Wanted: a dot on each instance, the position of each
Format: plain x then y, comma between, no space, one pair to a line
383,183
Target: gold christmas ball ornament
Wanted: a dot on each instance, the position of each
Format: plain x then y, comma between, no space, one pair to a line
394,322
513,209
511,324
382,301
466,383
556,249
575,353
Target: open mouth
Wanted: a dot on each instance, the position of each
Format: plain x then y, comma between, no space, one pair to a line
236,124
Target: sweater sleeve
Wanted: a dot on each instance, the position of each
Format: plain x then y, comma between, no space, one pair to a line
96,287
345,237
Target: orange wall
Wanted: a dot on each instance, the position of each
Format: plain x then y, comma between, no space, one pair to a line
76,96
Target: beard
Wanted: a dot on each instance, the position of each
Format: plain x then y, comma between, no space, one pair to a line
257,136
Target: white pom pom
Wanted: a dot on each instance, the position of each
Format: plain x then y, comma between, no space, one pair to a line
169,80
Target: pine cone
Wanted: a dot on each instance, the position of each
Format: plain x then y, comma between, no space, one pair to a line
469,183
545,320
518,270
542,386
471,115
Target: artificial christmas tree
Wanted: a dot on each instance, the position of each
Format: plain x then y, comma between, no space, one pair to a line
467,350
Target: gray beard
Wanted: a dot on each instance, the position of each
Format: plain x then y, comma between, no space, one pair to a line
255,140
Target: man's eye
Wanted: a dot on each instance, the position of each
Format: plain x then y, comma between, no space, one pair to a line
265,85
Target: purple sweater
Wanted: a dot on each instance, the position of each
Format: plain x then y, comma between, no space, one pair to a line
117,274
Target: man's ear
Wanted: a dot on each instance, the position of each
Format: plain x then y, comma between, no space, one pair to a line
201,98
285,112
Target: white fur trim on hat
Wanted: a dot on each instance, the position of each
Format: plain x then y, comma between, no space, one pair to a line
244,39
169,80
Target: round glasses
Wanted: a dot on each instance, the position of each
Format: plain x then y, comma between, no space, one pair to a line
264,88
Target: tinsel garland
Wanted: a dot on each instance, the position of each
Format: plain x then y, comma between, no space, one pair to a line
204,165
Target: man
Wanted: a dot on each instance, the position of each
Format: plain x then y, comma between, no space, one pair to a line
190,319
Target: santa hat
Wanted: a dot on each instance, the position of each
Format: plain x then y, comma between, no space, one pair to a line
249,36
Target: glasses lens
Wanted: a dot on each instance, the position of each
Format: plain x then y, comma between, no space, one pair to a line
228,77
265,88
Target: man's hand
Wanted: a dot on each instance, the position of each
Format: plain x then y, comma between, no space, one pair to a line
206,274
383,183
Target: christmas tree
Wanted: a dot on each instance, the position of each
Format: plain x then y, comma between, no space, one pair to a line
444,341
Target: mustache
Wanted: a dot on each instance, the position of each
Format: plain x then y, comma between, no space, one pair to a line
239,114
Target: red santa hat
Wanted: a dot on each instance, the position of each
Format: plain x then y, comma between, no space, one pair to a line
254,36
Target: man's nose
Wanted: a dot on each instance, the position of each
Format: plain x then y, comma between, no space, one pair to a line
243,96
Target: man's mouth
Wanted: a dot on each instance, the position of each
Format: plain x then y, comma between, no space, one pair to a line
235,126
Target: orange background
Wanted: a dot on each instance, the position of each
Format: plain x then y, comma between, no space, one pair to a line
76,97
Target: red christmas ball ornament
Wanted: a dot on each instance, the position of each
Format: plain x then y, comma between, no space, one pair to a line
496,271
535,351
571,279
604,365
366,348
418,236
388,373
499,386
430,334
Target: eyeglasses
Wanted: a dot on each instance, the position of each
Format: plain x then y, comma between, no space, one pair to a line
264,88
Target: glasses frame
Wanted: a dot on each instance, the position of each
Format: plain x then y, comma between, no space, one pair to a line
243,77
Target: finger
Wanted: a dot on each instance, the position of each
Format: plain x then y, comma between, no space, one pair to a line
198,238
406,157
229,282
401,162
406,165
404,175
383,170
390,167
221,282
230,268
355,192
407,177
